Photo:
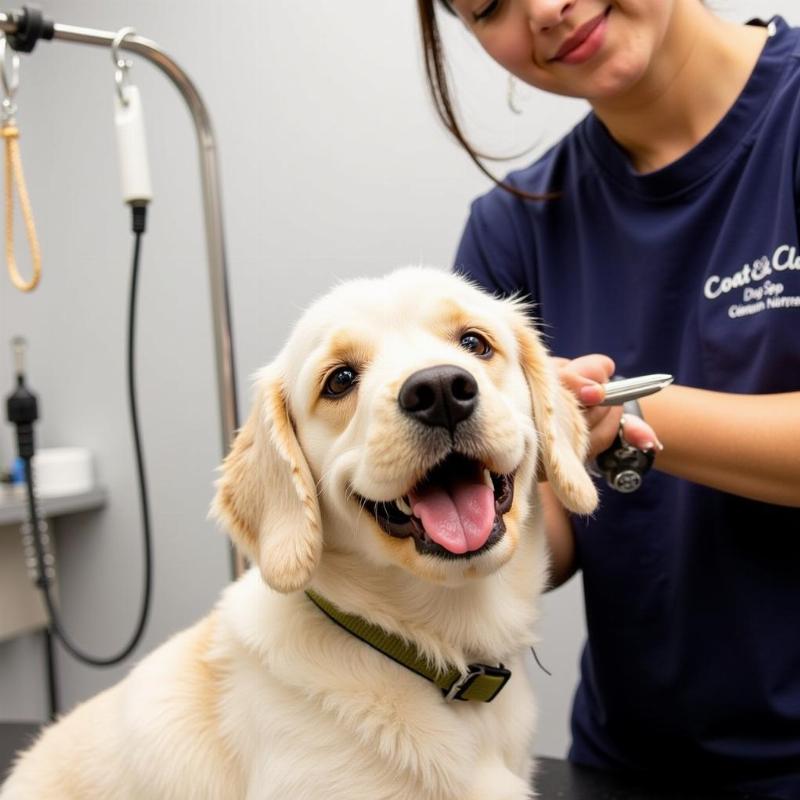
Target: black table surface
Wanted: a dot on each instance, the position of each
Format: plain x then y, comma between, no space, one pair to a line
555,779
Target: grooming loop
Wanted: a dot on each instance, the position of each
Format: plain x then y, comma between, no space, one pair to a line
15,175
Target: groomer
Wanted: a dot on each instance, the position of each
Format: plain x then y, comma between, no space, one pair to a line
668,240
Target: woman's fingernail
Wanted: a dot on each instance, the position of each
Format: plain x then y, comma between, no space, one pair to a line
591,393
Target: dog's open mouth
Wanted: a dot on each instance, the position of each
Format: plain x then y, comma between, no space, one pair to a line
455,511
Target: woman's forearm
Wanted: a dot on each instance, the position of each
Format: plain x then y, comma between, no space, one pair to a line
747,445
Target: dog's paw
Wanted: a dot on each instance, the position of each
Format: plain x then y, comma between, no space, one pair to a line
495,781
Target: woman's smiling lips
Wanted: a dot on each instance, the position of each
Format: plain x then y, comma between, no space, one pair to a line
585,42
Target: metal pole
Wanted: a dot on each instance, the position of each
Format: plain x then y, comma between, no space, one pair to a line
212,208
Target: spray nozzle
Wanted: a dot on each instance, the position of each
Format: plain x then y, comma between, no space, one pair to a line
18,348
22,407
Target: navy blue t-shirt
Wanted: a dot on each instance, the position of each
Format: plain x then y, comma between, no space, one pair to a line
692,595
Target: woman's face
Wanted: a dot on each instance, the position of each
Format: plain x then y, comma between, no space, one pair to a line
597,49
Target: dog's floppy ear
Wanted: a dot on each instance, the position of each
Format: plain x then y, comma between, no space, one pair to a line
267,496
563,438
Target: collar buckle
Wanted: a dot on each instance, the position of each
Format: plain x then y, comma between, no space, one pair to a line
481,682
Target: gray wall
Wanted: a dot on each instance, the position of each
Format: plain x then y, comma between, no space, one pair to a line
333,165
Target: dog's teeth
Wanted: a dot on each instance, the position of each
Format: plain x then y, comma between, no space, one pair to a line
404,507
487,479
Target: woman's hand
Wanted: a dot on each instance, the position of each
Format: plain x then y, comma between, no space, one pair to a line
748,445
584,377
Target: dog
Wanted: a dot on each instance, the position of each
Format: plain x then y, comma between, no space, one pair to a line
384,488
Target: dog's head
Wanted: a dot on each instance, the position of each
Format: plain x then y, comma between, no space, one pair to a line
404,421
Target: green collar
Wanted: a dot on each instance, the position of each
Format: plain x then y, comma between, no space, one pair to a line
481,682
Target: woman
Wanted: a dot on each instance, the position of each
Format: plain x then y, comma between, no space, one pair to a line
667,238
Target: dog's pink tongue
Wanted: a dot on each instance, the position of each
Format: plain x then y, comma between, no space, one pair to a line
459,518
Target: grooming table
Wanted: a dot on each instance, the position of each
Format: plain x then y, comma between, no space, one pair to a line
556,780
560,780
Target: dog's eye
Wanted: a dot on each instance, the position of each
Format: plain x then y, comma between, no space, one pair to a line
476,344
340,381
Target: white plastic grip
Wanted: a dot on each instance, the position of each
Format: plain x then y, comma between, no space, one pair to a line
134,167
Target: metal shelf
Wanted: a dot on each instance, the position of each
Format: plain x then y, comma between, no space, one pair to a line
13,504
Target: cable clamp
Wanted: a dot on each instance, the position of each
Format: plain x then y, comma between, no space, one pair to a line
31,26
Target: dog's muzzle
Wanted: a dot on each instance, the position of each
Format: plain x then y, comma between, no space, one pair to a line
455,511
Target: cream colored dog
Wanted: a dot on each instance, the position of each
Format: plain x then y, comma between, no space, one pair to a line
389,464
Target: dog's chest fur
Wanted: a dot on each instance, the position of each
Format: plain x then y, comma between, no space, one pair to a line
266,698
317,713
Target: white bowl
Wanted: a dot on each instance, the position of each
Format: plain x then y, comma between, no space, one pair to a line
63,470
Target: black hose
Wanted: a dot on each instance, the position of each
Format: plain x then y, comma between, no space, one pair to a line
43,580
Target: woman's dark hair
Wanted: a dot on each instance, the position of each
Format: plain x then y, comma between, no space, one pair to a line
436,75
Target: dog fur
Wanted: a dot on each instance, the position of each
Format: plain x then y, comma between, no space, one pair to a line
266,697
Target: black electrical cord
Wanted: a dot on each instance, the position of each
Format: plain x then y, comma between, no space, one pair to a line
24,425
52,684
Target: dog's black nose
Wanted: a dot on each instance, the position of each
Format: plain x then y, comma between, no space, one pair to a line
439,396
